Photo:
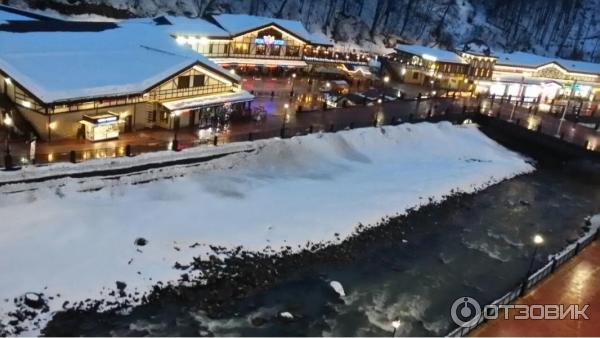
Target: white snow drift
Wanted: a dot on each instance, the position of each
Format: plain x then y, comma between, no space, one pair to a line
287,192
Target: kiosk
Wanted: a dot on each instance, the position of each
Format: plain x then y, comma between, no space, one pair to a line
100,127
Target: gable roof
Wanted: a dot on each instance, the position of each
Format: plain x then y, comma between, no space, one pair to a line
439,54
237,24
14,14
534,61
192,26
62,66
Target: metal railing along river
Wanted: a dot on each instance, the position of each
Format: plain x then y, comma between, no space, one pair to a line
532,280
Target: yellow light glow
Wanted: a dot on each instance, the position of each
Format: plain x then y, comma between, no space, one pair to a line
8,121
538,239
52,125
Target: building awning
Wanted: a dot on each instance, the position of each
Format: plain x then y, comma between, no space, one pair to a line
100,119
260,62
534,80
209,100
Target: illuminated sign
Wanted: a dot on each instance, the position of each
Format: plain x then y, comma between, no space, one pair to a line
269,40
107,120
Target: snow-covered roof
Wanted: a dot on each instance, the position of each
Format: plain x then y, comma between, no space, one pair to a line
194,26
241,23
13,14
433,53
477,47
533,61
209,100
60,66
8,16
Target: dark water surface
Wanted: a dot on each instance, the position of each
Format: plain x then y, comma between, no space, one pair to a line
478,247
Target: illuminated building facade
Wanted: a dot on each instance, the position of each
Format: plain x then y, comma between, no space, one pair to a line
432,67
531,76
75,83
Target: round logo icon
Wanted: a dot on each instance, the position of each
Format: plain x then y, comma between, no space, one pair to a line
465,311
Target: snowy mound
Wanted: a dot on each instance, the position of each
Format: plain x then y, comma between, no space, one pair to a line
286,192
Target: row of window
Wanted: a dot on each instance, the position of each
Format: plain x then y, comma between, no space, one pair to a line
246,48
189,91
190,81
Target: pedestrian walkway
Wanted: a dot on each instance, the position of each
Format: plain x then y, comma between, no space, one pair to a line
149,140
576,282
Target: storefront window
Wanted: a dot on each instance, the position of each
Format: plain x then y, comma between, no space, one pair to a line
261,49
292,51
275,50
241,48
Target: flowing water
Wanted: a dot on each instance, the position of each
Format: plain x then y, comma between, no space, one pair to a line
479,247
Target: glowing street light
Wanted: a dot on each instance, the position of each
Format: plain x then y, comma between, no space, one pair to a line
293,83
8,121
396,324
537,240
8,163
386,79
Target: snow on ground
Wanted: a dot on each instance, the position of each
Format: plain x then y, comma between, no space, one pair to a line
67,168
287,192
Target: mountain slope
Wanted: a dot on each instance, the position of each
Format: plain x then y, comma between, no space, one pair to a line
567,28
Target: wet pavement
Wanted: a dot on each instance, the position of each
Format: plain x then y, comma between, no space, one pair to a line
576,282
306,94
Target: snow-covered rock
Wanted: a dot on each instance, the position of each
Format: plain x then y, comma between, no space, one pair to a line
338,288
286,315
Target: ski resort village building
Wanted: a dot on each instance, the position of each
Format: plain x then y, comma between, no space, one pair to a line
516,74
95,80
529,75
250,41
431,67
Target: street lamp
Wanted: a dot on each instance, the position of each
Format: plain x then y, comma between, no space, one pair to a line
293,82
538,240
175,115
8,123
395,324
